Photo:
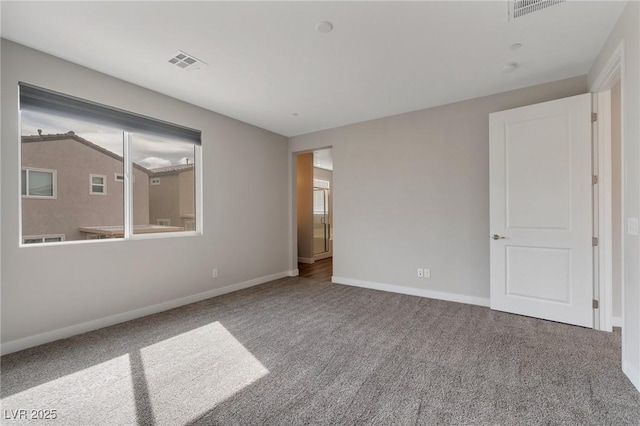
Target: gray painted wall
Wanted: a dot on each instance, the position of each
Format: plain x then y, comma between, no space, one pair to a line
245,170
412,191
627,31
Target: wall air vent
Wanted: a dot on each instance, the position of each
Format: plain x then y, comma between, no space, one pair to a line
519,8
187,62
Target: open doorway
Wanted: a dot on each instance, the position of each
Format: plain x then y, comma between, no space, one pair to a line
314,205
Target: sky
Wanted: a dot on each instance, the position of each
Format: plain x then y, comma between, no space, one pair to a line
148,151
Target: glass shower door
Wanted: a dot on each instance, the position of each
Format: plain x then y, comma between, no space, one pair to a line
321,225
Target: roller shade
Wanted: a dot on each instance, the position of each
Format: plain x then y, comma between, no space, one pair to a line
33,98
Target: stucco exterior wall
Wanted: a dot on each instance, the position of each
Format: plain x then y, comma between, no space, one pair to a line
173,198
186,196
163,200
74,205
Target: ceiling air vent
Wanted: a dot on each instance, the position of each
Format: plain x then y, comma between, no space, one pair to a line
519,8
186,61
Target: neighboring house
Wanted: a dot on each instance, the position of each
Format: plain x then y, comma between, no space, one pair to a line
70,183
172,196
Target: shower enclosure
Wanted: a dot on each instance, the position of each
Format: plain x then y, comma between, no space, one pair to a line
321,221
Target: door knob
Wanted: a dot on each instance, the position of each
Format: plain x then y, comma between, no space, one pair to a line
498,237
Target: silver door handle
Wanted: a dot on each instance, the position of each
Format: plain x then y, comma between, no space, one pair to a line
498,237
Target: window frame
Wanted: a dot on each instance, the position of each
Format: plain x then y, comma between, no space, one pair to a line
128,196
183,133
54,180
43,238
103,184
321,183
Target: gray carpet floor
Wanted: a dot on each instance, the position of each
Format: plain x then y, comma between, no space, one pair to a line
297,351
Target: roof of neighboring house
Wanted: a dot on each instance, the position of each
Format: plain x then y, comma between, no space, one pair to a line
71,135
171,170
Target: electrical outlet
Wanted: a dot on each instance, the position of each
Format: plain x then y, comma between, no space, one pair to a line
215,273
427,273
420,273
632,226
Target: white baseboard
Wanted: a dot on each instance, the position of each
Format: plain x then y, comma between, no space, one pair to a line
616,321
451,297
632,373
294,272
62,333
306,260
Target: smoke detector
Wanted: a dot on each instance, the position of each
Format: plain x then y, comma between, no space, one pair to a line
519,8
187,62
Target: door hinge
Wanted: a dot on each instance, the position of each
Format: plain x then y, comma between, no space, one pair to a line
595,241
594,117
596,304
594,179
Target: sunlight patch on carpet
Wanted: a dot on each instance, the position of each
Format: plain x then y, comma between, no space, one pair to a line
191,373
101,394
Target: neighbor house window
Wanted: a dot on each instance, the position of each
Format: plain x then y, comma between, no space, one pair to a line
98,184
67,139
42,239
38,183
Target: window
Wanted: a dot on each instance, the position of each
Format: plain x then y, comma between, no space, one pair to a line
320,201
42,239
190,225
320,183
97,184
67,139
172,162
38,183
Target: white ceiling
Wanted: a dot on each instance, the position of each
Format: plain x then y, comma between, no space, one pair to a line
267,61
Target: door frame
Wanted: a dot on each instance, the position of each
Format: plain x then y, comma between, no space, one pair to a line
612,72
293,211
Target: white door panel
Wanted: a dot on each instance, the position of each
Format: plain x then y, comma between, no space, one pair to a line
541,204
538,167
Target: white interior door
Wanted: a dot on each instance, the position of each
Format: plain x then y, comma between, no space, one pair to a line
541,211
